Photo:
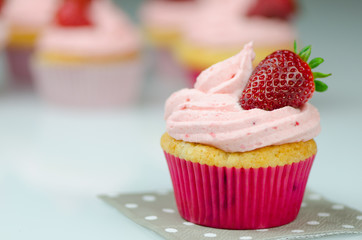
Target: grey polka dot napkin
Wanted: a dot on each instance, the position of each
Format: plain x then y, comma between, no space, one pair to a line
317,218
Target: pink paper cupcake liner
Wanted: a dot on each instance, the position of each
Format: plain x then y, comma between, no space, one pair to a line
89,85
18,60
234,198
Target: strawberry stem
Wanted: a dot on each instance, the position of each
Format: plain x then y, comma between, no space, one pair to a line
304,49
295,46
305,53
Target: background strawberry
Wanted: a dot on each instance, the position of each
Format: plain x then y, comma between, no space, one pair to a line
283,9
73,13
1,4
283,78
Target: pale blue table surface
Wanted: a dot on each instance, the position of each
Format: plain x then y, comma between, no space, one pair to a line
54,162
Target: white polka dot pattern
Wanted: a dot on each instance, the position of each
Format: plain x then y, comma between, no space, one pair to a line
188,223
131,205
149,198
210,235
168,210
151,218
171,230
348,226
313,223
158,212
323,214
338,207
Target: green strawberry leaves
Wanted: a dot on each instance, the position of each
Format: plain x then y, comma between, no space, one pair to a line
315,62
304,54
320,86
321,75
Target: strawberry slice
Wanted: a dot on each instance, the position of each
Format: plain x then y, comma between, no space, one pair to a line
282,9
73,13
283,78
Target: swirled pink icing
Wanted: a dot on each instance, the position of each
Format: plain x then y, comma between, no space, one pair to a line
111,33
30,15
223,24
210,112
168,15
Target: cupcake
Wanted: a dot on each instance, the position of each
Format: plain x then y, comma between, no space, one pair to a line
3,34
239,145
3,28
162,21
216,31
3,39
90,57
25,23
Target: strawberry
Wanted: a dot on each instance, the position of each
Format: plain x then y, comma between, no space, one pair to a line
1,4
283,78
282,9
73,13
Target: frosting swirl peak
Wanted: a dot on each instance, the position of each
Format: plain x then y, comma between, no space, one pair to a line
210,112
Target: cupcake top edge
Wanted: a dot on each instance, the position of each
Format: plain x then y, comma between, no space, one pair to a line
168,15
29,15
225,24
110,33
211,112
230,30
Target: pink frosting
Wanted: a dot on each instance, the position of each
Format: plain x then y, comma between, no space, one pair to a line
210,113
223,24
166,14
31,14
112,33
3,33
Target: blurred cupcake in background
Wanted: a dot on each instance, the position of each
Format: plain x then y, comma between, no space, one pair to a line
3,28
3,38
216,31
162,21
90,57
25,21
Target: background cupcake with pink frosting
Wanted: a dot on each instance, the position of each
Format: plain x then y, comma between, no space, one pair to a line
216,31
25,20
3,27
90,57
3,39
161,21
